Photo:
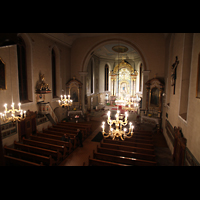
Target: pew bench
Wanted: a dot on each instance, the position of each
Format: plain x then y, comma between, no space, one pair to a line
70,130
57,137
127,143
19,162
123,160
96,162
62,149
49,161
127,148
73,127
80,124
126,154
52,141
46,152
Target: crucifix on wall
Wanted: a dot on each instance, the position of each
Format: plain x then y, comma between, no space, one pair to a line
173,74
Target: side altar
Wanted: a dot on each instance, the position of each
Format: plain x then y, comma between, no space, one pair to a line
154,95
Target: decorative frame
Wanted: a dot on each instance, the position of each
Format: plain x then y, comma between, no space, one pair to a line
154,85
3,84
74,87
198,79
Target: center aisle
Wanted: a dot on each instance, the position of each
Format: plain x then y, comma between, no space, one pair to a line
81,154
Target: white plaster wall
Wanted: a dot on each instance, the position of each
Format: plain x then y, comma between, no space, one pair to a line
190,128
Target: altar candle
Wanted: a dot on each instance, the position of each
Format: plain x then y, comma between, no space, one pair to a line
5,114
132,127
103,125
65,96
61,97
21,113
126,114
108,115
24,114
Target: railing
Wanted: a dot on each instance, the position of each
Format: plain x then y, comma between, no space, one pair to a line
46,109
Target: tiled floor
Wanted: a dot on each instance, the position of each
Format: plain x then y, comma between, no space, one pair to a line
81,154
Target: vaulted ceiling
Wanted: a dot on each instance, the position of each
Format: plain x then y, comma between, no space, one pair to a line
69,38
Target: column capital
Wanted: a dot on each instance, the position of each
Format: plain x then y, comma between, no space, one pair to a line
82,73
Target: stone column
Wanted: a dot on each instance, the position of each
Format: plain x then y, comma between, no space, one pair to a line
83,78
132,88
115,93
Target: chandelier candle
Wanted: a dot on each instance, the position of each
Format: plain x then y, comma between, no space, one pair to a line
117,132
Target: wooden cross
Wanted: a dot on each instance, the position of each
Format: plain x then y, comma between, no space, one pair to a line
173,73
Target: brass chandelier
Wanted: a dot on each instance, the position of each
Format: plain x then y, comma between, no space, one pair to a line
5,118
66,102
117,132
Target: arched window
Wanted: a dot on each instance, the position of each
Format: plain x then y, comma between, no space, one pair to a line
92,76
140,84
53,63
106,77
22,70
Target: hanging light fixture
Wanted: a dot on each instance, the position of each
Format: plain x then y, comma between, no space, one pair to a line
118,132
66,102
12,111
21,114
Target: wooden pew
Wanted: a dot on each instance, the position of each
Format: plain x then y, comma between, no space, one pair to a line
52,141
49,161
19,162
147,136
96,162
69,130
73,127
62,149
57,137
60,134
80,124
132,144
126,154
60,130
144,132
46,152
123,160
135,136
127,148
139,140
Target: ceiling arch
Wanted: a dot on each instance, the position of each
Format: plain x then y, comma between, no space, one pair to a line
110,42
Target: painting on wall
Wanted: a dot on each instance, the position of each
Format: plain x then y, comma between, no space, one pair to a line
74,94
154,97
198,79
2,75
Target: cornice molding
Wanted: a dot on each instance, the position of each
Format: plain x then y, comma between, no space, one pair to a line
59,37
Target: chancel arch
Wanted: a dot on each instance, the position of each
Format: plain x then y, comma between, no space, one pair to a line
115,68
90,53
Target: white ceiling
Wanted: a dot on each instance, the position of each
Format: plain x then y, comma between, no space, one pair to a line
107,52
69,38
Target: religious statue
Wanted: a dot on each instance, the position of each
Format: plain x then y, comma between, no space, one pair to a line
173,73
41,85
